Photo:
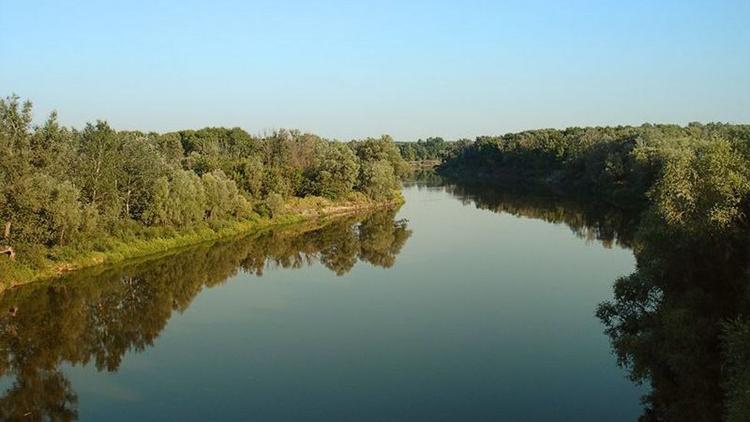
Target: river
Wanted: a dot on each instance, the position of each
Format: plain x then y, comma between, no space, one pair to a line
456,307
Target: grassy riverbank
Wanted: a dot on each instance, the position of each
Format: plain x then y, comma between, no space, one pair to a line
53,262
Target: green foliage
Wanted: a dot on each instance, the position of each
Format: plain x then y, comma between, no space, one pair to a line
377,179
372,150
274,204
177,201
47,212
72,188
139,166
694,177
381,166
336,172
704,187
249,173
428,149
97,167
65,211
223,199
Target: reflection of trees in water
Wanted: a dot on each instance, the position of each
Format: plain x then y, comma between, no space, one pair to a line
590,221
380,247
680,322
47,392
97,316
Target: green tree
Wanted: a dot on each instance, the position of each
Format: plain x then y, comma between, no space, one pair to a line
249,173
177,201
378,179
379,149
336,171
223,199
98,168
704,187
15,158
139,166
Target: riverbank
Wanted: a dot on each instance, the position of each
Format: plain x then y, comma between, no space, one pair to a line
109,251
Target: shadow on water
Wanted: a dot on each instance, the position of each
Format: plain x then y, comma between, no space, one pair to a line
97,316
680,323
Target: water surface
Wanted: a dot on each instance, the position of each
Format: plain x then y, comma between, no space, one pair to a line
457,307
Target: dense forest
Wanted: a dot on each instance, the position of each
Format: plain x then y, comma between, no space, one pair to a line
69,191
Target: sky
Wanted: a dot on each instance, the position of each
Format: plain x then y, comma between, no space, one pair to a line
349,69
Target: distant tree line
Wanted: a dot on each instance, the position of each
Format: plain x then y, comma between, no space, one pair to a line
424,150
69,187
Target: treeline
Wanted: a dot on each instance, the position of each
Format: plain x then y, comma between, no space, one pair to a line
73,188
424,150
696,177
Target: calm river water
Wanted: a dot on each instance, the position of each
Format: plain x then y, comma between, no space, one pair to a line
457,307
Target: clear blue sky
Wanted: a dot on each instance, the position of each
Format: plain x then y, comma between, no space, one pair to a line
347,69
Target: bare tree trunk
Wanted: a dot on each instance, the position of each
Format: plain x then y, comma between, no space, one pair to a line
7,250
